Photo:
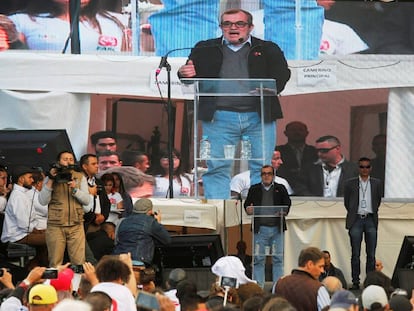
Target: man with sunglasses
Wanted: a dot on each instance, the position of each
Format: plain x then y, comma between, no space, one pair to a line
236,55
362,198
267,232
327,176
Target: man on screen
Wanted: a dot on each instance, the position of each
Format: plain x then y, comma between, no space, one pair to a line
236,55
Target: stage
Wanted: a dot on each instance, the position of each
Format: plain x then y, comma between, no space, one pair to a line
311,222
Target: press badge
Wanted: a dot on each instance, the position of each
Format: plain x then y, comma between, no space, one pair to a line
363,204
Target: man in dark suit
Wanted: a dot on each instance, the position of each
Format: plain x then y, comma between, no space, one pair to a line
295,153
362,198
326,177
267,232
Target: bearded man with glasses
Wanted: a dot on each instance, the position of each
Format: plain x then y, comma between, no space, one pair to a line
326,177
268,237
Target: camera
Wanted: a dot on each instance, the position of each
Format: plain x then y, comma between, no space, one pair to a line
64,173
227,281
50,273
77,268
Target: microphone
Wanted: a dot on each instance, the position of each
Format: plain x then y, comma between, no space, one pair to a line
241,40
164,62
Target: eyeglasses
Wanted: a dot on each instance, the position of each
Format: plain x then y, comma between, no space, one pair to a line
365,166
238,24
326,150
267,173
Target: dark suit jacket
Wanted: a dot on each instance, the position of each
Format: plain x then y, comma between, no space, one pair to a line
290,169
311,180
280,197
351,199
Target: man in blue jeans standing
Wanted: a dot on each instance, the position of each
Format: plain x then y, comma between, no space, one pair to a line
237,55
267,232
362,198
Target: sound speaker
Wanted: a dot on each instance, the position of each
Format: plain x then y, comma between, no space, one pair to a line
193,253
404,268
32,148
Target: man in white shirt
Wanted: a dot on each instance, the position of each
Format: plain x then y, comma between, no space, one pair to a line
20,221
240,183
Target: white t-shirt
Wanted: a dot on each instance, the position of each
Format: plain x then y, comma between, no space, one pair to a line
49,34
180,190
241,183
120,293
114,213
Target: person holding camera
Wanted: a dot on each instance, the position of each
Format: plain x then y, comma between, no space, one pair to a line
65,190
99,203
138,232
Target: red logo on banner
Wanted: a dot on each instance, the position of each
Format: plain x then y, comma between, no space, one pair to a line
107,41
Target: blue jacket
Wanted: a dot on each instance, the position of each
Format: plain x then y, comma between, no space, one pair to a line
136,234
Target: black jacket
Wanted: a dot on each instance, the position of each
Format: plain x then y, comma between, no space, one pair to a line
280,197
265,61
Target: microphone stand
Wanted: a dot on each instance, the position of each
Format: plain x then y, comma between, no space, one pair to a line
241,217
170,131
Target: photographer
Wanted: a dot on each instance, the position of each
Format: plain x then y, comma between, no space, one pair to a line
66,192
99,203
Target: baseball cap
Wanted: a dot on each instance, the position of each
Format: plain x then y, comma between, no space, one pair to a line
343,299
142,206
231,266
42,294
374,294
64,280
400,303
177,275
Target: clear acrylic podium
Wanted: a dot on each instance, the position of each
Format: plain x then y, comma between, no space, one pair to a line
212,88
278,212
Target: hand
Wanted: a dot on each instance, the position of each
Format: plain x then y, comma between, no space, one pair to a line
73,184
93,190
6,279
187,70
63,267
99,219
250,209
126,258
35,275
165,303
157,216
89,273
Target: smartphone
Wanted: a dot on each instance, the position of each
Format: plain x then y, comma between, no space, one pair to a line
50,273
147,301
227,281
77,268
138,263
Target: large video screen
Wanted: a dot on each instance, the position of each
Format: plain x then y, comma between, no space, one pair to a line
304,29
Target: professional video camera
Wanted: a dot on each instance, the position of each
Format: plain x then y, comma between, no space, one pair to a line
64,173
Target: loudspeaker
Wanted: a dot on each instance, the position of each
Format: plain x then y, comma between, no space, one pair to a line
32,148
404,268
193,253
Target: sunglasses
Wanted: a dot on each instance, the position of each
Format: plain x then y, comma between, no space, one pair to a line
365,166
326,150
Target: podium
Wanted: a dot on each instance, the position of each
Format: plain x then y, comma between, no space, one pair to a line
207,92
270,221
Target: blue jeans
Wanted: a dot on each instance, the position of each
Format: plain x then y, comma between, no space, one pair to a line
182,23
270,237
367,228
297,30
227,128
